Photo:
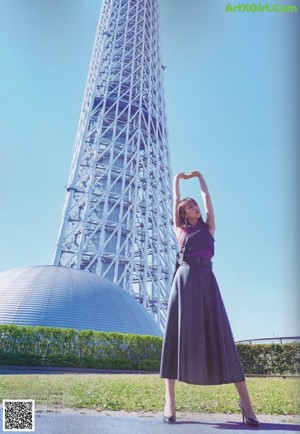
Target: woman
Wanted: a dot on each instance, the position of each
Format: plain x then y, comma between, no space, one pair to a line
198,344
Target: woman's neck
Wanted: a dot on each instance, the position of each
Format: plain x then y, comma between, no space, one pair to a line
193,222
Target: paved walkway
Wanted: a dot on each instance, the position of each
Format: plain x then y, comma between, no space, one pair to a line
25,370
67,421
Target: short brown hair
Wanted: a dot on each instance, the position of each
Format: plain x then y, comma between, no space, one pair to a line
181,208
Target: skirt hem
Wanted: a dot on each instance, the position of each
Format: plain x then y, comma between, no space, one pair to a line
202,383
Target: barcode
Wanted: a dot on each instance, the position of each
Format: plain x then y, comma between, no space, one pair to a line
18,415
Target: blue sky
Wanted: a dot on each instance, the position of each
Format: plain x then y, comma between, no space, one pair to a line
232,97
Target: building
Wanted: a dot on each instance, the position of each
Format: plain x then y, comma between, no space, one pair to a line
64,297
117,215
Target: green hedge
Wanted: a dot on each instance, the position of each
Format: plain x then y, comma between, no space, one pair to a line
270,359
49,346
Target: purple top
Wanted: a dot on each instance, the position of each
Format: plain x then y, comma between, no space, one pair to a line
205,248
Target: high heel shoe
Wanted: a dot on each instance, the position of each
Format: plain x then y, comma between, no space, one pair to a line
171,419
250,421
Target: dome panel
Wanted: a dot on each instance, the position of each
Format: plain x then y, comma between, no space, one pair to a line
64,297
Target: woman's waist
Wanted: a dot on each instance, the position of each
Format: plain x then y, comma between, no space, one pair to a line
198,257
201,253
197,261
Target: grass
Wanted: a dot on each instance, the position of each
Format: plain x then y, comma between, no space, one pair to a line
146,393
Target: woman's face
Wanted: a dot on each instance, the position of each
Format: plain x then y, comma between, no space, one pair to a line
192,212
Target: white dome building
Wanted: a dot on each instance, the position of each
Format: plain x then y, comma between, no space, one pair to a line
65,297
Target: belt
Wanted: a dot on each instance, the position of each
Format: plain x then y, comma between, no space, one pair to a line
197,260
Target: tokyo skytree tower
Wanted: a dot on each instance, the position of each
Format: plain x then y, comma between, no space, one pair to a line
117,214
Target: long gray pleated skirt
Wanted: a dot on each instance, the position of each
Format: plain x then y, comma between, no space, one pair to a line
198,345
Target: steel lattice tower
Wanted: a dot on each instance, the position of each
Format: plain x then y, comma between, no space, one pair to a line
117,215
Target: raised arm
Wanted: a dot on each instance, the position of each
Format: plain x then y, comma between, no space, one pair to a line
176,200
209,210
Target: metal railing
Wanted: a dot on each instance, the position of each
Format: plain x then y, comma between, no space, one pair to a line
270,340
